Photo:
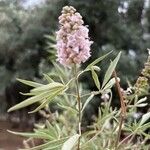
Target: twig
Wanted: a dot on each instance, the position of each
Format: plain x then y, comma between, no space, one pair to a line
126,138
123,109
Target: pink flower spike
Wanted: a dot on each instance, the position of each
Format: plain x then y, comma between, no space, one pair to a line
73,44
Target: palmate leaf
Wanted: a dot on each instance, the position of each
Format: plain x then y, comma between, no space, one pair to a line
49,132
52,139
144,127
110,69
51,145
30,101
44,92
51,129
48,99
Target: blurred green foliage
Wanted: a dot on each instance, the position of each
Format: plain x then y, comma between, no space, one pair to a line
114,25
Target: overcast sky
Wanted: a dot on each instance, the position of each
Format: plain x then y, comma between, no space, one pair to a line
31,3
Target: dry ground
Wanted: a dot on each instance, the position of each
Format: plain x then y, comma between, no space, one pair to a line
9,141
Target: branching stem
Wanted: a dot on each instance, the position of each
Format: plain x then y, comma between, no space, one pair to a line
123,109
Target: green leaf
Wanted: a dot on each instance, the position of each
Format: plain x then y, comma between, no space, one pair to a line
51,145
87,101
73,110
49,95
95,78
30,101
145,117
30,83
141,100
60,71
33,135
141,105
110,84
97,60
110,69
144,127
48,87
48,99
39,107
146,135
51,38
48,78
28,94
70,143
51,129
96,68
56,147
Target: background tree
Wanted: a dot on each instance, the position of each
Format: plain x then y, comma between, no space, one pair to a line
114,25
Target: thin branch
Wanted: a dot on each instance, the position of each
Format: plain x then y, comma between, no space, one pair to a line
79,105
123,109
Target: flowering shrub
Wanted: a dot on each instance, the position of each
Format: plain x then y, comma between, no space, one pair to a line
113,128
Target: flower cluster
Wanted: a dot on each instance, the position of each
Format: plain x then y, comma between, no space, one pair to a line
142,84
73,44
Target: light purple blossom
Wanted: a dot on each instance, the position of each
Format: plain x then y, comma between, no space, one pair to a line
73,44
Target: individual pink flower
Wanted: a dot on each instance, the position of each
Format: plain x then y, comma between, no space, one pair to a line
73,44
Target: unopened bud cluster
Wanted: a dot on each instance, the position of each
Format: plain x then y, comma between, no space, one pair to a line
73,44
141,86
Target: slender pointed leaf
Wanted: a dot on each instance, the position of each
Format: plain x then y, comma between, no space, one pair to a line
30,101
48,144
110,84
97,60
48,78
60,71
141,100
68,108
30,83
70,143
53,85
87,101
95,78
47,100
145,117
110,69
33,135
51,129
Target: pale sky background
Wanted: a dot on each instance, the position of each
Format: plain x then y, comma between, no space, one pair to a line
31,3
